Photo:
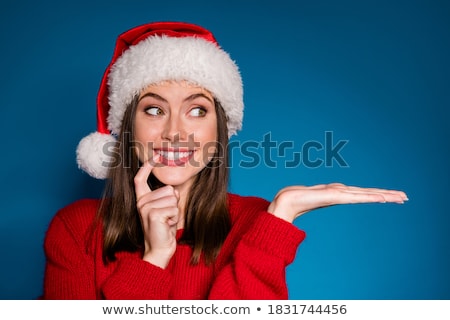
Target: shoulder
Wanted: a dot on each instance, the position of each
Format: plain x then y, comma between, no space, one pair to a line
75,218
79,212
246,206
251,201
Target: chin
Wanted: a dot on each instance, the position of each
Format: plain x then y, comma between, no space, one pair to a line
174,176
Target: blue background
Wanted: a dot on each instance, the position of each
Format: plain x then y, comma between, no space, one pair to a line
375,73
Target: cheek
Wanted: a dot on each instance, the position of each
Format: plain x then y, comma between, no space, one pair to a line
205,134
143,142
208,130
209,152
207,139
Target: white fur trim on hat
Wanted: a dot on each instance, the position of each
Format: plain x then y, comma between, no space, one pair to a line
161,58
94,154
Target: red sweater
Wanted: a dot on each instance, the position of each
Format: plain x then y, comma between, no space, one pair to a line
250,265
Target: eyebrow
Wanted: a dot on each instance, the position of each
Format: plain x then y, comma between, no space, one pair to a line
153,95
198,95
189,98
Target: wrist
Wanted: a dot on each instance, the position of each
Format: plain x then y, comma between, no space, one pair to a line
280,212
159,259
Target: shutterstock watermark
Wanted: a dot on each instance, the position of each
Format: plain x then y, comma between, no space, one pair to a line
289,154
327,152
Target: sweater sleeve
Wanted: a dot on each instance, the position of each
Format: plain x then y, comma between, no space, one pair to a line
257,268
69,271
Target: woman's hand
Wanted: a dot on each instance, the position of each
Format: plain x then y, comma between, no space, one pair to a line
159,214
292,202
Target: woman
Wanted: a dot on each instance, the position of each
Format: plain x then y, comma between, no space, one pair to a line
166,228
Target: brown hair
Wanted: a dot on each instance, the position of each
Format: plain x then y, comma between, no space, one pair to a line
207,221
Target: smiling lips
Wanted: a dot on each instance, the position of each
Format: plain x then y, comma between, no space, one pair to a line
174,157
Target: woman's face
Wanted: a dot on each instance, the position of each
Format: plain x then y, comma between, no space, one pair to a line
178,121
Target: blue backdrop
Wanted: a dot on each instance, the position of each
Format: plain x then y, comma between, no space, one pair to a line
373,74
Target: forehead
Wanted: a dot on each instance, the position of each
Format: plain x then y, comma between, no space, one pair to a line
173,85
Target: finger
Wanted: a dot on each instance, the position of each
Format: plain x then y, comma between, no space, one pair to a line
331,196
165,191
140,179
395,194
165,197
158,203
347,196
355,188
391,194
168,215
355,197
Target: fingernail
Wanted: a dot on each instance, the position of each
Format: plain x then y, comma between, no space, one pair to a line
155,159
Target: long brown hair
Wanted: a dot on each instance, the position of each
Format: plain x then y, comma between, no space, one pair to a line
207,221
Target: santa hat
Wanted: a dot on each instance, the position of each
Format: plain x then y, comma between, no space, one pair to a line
149,54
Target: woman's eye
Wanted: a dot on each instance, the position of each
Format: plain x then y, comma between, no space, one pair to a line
154,111
198,112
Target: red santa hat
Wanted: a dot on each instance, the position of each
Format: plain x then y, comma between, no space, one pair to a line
149,54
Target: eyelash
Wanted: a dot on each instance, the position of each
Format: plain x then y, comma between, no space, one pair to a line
200,109
161,112
153,107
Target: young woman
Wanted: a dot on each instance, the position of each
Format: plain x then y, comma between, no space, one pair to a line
166,228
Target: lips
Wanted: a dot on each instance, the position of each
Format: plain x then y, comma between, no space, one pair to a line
174,157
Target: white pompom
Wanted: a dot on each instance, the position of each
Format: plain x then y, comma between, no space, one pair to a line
94,154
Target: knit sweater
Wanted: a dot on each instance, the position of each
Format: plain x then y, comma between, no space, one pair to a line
251,264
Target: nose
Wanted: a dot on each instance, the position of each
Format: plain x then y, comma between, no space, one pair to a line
174,129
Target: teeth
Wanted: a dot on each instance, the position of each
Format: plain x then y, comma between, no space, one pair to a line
172,155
